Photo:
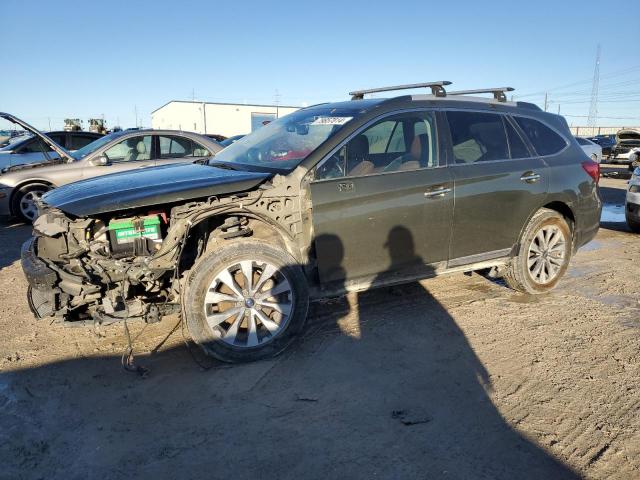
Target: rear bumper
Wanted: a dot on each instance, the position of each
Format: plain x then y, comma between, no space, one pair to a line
587,221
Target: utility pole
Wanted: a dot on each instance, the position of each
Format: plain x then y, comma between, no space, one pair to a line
546,101
558,109
277,101
193,94
49,118
135,112
593,108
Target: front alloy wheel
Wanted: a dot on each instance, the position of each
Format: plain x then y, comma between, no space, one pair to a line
248,303
245,301
24,201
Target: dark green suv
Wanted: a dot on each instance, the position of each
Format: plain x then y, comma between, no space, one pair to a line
331,198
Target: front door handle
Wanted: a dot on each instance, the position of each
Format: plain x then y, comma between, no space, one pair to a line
530,177
437,192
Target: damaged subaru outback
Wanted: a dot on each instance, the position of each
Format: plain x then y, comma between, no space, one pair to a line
332,198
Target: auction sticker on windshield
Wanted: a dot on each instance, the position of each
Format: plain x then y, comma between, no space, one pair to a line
331,120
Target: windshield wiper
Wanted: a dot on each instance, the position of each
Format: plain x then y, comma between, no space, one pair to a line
225,165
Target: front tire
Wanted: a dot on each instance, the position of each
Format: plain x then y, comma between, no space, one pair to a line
23,203
545,250
245,301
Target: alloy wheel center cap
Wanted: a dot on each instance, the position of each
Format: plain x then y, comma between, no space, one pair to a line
249,302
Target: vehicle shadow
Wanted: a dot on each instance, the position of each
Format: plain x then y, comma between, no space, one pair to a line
13,234
383,384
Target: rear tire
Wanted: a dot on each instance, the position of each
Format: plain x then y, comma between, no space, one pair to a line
633,225
545,250
235,320
22,203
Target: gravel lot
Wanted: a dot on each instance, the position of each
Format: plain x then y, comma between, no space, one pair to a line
457,377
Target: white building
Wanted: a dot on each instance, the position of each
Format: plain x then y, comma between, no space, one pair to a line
226,119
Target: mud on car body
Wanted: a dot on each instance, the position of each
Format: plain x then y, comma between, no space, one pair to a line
331,198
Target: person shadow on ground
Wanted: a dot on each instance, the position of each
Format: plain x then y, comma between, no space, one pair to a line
384,385
410,388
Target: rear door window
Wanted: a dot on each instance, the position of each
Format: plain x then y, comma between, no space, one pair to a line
544,139
517,147
179,147
477,136
34,146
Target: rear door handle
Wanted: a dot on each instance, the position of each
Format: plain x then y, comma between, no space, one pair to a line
530,177
437,192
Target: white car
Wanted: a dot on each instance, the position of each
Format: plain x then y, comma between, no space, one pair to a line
593,150
632,203
634,159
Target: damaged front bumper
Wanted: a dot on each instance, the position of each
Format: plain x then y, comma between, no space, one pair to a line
51,289
38,274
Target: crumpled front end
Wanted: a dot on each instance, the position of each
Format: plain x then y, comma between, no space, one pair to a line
87,270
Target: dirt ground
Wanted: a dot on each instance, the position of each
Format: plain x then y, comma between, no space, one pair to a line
457,377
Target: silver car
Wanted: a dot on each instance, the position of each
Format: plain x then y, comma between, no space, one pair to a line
592,149
21,185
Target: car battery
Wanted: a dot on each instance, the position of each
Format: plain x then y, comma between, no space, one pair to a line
135,236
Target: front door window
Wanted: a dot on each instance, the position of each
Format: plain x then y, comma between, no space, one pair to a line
130,150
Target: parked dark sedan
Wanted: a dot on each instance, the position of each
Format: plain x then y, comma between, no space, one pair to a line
607,142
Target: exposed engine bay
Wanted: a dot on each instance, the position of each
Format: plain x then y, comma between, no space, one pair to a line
129,264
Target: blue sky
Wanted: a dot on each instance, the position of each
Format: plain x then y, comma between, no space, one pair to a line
81,58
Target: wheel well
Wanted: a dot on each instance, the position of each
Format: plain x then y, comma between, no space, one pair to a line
256,227
564,210
20,186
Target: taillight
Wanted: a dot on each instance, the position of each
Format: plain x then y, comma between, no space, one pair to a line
593,169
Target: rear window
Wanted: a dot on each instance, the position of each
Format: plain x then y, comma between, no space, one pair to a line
582,141
543,139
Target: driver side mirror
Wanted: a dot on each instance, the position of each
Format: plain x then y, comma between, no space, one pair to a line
100,161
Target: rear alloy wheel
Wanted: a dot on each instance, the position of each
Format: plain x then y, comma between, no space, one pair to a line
24,201
245,302
545,250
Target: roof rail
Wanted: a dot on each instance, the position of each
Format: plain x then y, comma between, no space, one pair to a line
436,88
498,93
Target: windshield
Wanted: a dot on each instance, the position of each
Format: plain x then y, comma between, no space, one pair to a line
95,145
284,143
